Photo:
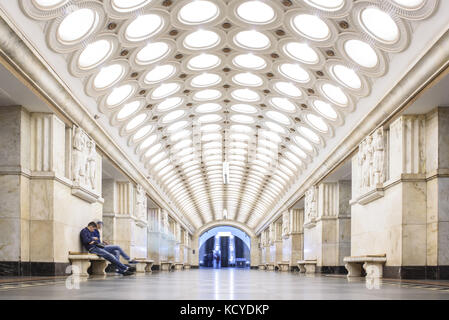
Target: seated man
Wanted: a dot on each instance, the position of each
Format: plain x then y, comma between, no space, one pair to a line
117,251
94,246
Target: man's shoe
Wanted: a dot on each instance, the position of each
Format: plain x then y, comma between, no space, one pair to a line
131,268
110,269
132,261
128,273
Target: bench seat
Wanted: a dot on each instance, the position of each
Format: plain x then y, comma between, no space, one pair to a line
81,261
372,264
284,266
179,265
144,265
166,265
307,266
270,266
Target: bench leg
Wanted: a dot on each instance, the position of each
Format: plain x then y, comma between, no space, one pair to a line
98,267
302,268
165,267
79,268
310,268
283,267
148,267
140,267
354,269
261,267
374,270
187,267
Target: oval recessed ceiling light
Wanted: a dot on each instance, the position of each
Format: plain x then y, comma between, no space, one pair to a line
198,12
294,72
136,121
172,116
275,127
152,52
298,151
169,103
143,27
241,128
240,118
279,117
142,132
157,147
205,80
245,95
252,39
255,12
128,5
177,126
160,73
247,79
335,94
207,94
361,53
303,143
119,94
165,90
128,109
283,104
327,5
208,118
309,134
379,24
249,61
108,76
148,141
317,122
180,135
77,25
243,108
203,61
211,128
311,27
94,54
301,52
201,39
347,76
288,89
208,107
325,109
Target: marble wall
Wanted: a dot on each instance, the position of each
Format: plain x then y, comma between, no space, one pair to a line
40,216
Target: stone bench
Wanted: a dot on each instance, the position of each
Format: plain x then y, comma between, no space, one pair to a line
144,265
284,266
270,266
186,266
373,265
307,266
166,265
262,267
81,261
179,265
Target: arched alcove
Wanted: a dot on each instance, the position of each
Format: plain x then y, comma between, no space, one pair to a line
224,246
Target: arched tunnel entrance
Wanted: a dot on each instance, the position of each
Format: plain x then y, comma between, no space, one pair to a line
224,247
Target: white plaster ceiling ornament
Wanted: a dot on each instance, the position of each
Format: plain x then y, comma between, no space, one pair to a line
259,85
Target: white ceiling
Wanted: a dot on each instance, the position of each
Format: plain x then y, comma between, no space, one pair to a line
262,173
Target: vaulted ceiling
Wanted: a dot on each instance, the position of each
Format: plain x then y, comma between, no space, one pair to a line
227,103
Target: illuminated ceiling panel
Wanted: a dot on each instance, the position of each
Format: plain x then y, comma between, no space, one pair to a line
261,85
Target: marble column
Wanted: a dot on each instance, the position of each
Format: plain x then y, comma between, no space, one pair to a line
278,241
437,176
293,236
389,217
327,229
154,234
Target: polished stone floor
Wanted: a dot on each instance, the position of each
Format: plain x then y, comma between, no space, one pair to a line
209,284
